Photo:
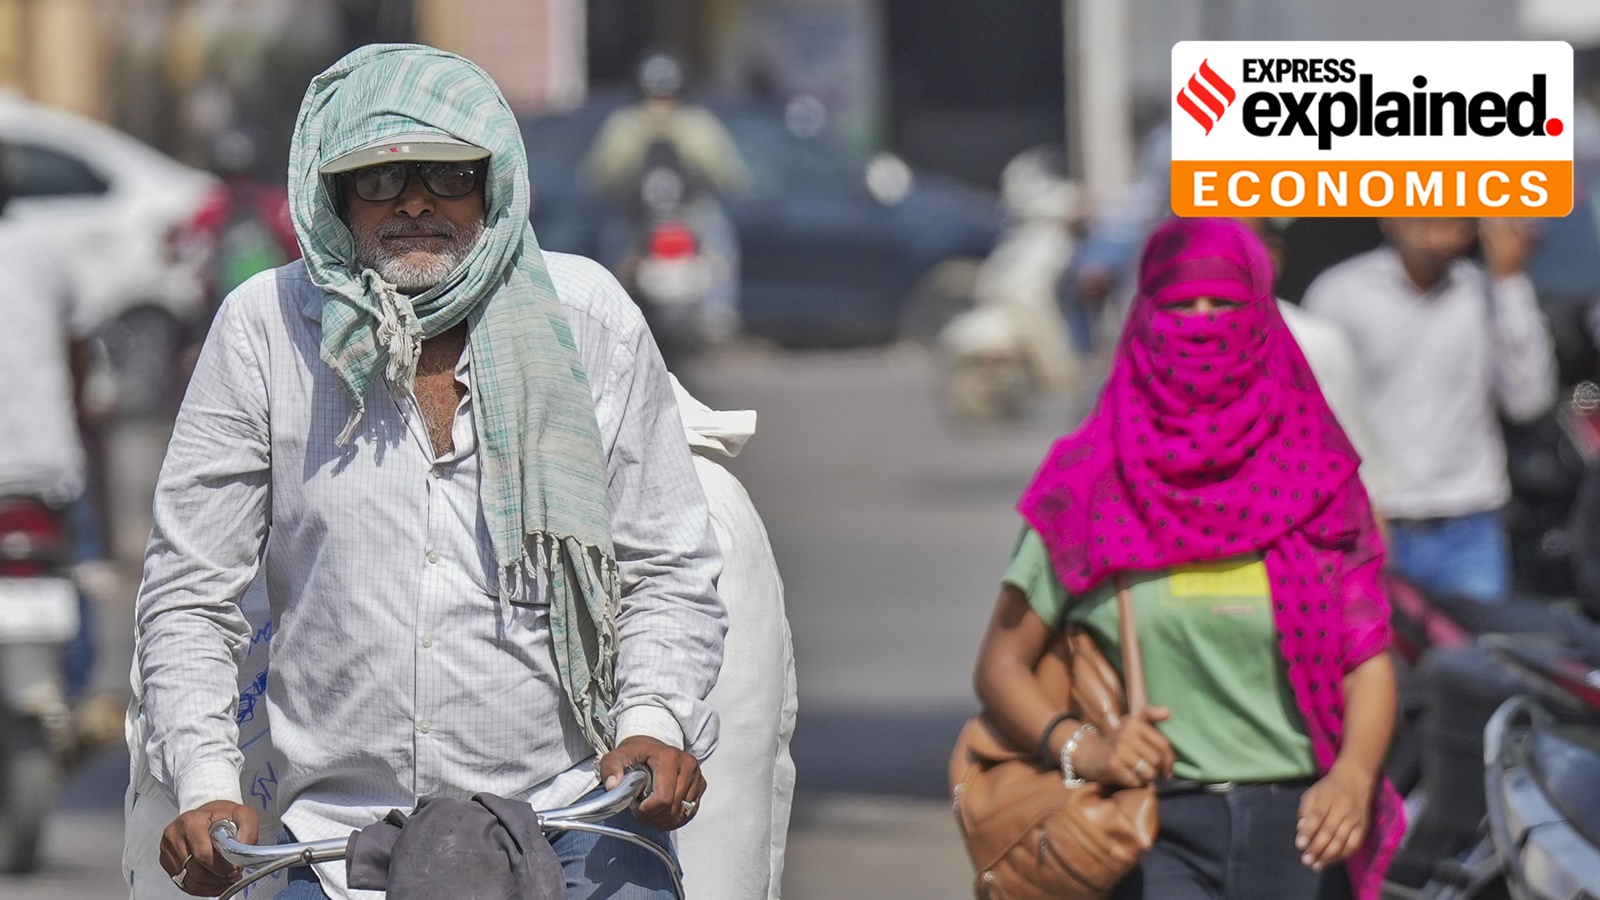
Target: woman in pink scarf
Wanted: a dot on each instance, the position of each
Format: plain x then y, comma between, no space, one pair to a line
1215,478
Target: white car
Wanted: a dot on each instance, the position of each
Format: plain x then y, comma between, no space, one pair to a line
137,228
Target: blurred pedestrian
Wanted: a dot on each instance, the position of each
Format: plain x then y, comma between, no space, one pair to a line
1445,346
256,234
44,362
734,848
1095,288
1333,362
490,565
696,136
1214,481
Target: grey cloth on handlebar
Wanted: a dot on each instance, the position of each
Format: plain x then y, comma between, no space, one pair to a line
486,848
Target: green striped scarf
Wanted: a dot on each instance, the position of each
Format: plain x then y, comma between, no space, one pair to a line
543,477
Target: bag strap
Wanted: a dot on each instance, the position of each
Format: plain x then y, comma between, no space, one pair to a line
1132,659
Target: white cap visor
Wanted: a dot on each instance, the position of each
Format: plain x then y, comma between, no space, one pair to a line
421,147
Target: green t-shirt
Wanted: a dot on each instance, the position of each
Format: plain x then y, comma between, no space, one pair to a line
1210,655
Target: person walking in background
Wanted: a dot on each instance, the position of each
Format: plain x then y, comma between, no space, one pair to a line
44,361
734,849
458,460
1333,361
1214,479
1444,347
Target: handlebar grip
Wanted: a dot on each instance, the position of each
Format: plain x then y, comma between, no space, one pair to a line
649,779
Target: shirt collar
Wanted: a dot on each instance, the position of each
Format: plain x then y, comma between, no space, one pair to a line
1397,271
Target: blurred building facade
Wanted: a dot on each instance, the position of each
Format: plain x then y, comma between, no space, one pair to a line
535,49
953,85
54,51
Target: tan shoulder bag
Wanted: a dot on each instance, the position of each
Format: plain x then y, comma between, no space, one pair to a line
1030,836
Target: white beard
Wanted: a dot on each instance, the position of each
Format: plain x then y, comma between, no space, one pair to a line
415,271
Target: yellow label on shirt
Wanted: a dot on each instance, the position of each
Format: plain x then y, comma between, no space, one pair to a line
1229,578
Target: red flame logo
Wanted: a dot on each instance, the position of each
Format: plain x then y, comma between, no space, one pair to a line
1207,93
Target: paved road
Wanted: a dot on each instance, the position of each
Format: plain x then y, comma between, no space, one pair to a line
890,528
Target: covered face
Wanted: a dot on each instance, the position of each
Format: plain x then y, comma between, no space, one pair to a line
403,103
1211,439
418,104
1186,365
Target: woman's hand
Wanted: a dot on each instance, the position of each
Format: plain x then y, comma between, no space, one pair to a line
1133,755
1335,812
1333,817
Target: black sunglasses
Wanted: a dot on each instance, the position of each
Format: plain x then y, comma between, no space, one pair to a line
446,180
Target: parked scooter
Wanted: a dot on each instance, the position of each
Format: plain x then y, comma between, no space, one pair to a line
1012,345
38,615
1540,838
1450,685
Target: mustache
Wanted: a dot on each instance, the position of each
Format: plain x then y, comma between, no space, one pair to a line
401,228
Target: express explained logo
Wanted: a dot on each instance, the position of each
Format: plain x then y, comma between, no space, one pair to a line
1372,128
1329,113
1207,92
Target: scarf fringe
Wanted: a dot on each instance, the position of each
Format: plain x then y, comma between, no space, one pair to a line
602,577
398,332
349,431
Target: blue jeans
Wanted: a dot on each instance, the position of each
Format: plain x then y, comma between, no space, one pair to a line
1468,555
597,867
79,655
1233,846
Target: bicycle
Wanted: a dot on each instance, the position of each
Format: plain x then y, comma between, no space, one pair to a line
265,859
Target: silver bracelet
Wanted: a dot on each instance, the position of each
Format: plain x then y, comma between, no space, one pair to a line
1069,776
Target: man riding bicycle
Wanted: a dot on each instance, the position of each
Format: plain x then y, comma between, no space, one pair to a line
458,461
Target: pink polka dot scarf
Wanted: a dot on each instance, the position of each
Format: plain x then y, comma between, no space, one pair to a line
1211,440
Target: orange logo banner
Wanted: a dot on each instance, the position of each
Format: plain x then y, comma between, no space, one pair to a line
1371,188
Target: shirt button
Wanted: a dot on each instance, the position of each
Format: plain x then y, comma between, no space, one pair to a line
424,726
433,556
435,472
427,640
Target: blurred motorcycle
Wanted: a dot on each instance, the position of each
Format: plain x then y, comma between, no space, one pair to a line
1012,345
674,266
1450,686
38,616
1540,839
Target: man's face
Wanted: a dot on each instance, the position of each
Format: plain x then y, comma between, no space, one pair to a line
418,238
1435,241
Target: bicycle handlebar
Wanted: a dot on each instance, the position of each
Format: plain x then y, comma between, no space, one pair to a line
266,859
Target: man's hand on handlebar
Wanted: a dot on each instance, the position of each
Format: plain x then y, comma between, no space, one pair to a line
677,783
190,858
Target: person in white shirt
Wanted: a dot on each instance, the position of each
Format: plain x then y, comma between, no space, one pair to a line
1445,347
42,356
734,849
1333,362
458,463
44,359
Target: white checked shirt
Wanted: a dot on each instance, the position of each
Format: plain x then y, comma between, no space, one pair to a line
395,670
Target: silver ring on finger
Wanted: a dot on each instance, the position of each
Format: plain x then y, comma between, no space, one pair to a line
1140,767
183,871
688,807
